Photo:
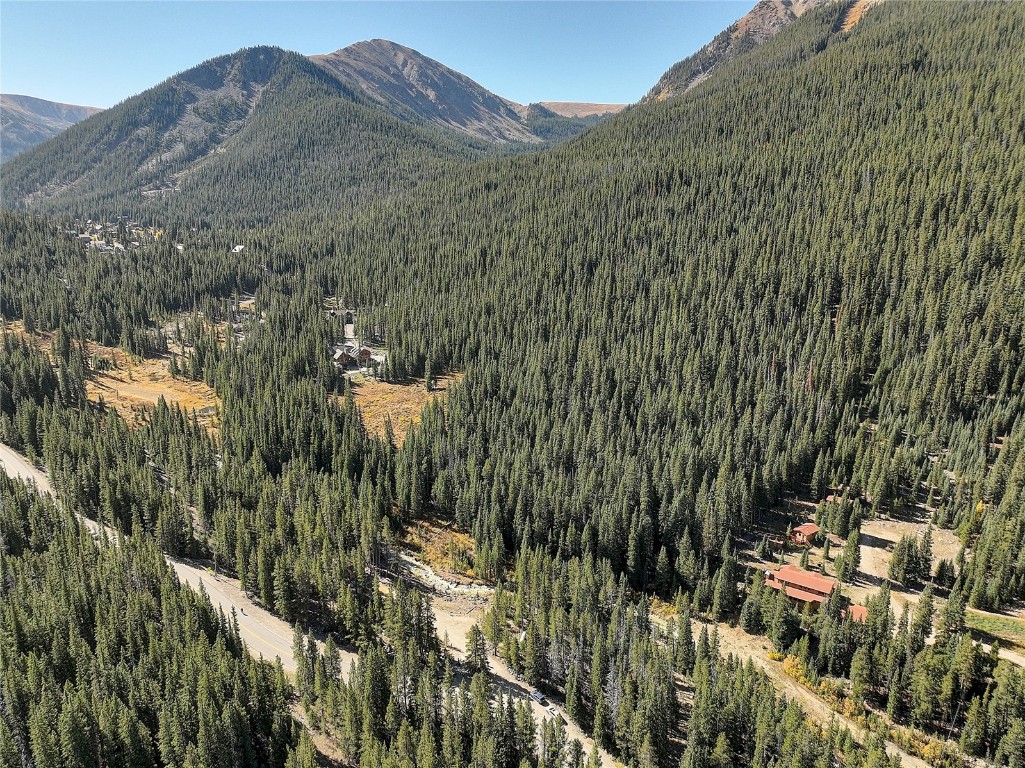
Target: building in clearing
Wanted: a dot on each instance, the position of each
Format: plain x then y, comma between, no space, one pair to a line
810,588
801,585
804,534
347,354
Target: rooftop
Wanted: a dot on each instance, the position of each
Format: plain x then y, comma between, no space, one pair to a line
857,613
808,529
798,577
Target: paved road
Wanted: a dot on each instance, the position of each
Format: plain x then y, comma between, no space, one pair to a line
16,465
265,634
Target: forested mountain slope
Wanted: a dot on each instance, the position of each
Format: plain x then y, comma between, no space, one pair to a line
805,273
615,398
26,121
169,683
239,138
264,133
670,321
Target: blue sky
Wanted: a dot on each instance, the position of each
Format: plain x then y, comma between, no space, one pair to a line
99,53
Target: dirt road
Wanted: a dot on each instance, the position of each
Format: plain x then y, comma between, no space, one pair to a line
16,465
270,637
740,644
456,608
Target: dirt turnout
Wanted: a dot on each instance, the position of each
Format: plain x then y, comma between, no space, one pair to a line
457,607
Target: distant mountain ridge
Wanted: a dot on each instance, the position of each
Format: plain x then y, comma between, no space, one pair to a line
265,131
241,137
26,121
405,81
582,108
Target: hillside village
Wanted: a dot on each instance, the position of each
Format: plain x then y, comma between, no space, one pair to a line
120,234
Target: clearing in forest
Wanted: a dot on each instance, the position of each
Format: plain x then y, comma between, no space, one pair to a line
442,547
878,539
403,403
132,385
990,627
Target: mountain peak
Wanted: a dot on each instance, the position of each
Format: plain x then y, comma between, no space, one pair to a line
404,80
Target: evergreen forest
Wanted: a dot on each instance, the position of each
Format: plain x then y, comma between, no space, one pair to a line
802,278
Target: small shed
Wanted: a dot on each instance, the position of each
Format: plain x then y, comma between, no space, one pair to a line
804,534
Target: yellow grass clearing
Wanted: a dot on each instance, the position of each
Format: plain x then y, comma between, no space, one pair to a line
403,403
133,385
662,609
443,548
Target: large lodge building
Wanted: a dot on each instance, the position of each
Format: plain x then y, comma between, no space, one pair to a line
801,585
809,588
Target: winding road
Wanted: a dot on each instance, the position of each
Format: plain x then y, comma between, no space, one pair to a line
264,633
270,637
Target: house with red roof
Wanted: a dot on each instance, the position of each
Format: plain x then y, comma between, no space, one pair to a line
804,534
801,585
810,588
